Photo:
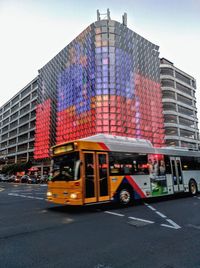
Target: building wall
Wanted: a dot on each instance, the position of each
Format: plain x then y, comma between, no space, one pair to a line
106,81
179,106
17,125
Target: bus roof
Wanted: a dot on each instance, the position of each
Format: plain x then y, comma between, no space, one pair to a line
122,144
126,144
113,143
106,138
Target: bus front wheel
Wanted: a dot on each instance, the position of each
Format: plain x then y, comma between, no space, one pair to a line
193,187
125,196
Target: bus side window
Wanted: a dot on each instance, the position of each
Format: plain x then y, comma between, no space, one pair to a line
128,164
127,169
167,164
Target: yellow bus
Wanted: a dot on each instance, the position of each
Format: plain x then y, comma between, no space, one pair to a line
104,168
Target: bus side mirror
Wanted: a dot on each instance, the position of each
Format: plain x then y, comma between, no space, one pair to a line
77,168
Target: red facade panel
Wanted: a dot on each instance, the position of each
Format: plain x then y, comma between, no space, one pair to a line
42,132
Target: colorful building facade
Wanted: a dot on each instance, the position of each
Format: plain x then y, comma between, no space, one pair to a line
107,80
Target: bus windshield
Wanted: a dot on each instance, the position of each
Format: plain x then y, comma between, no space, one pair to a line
65,167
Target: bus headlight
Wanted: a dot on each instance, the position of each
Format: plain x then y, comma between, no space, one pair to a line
49,194
73,196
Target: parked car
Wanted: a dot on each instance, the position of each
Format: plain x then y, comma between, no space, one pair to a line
4,178
11,178
32,180
24,179
17,179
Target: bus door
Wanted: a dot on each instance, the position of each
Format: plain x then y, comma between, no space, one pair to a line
95,177
177,174
102,176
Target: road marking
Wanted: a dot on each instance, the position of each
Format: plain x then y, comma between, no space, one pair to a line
39,198
132,218
161,215
2,189
194,226
149,206
197,197
138,219
114,213
173,224
27,196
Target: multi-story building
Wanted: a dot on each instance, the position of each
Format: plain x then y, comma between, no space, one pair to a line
17,125
179,106
107,80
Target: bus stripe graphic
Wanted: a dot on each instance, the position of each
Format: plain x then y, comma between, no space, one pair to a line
135,186
103,146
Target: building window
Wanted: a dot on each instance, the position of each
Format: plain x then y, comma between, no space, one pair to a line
170,119
167,83
184,100
185,111
184,89
186,122
168,94
25,100
167,71
182,78
25,91
167,106
187,134
15,100
172,131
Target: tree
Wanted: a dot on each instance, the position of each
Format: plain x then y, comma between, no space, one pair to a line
13,168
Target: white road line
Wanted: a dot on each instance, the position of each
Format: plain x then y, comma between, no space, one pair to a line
173,224
114,213
149,206
197,197
27,196
168,226
138,219
176,226
161,215
39,198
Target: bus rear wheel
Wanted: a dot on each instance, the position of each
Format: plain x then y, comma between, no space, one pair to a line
125,196
193,187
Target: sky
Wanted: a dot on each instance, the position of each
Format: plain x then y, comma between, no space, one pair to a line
33,31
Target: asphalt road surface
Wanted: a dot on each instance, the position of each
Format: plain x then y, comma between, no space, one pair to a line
156,233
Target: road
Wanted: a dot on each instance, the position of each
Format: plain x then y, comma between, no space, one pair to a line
35,233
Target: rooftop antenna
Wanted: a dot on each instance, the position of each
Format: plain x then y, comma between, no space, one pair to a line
106,15
124,19
98,15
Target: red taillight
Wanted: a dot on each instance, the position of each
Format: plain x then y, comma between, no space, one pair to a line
77,183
